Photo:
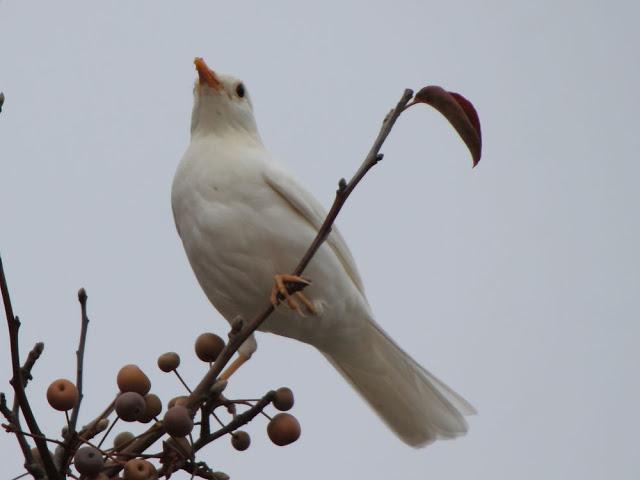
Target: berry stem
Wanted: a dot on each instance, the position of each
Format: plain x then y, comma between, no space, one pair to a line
106,434
182,380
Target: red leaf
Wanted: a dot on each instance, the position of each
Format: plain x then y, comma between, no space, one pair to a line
460,113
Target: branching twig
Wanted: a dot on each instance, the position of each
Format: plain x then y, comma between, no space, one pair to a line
22,441
345,189
238,421
12,429
18,383
73,439
33,356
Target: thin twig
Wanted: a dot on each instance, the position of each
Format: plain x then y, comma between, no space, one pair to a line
91,429
66,417
18,384
106,434
201,392
33,356
13,419
193,454
11,428
344,190
240,420
217,419
82,298
205,424
184,384
73,439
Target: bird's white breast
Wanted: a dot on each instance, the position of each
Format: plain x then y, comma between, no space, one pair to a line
238,233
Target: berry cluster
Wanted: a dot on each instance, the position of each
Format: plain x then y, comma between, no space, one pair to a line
135,403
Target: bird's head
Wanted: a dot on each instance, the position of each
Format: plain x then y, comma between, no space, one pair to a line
221,104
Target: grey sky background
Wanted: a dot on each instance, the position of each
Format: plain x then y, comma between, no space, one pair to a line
517,282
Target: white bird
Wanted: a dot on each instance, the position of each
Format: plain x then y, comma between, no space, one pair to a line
243,219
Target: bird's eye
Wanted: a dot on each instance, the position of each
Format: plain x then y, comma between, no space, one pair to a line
240,90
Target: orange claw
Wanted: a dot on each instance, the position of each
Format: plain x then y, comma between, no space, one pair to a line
280,291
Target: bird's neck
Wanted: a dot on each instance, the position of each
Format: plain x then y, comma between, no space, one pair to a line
230,136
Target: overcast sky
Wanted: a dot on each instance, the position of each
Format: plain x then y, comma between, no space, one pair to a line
516,282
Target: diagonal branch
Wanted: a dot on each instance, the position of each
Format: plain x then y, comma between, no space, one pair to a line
201,392
345,189
18,383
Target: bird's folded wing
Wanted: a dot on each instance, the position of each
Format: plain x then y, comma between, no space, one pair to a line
311,210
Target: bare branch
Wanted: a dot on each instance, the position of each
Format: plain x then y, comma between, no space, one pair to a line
82,298
238,421
73,439
33,356
345,189
18,383
22,441
12,429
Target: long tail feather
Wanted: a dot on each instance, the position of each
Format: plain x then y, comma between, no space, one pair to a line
416,405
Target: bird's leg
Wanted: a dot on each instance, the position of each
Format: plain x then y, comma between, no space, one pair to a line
235,365
288,285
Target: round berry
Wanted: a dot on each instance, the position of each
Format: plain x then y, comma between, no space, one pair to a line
122,439
240,440
180,400
62,395
168,362
139,469
153,407
177,421
130,406
283,429
132,379
283,400
208,346
88,461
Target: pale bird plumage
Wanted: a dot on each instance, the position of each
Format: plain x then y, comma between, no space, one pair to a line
243,219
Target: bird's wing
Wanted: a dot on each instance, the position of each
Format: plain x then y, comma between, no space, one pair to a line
306,205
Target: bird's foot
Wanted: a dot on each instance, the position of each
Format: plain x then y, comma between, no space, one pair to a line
235,365
286,287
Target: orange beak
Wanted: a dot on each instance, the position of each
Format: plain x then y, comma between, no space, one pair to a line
206,75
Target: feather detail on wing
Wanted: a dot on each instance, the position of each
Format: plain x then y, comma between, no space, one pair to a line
311,210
